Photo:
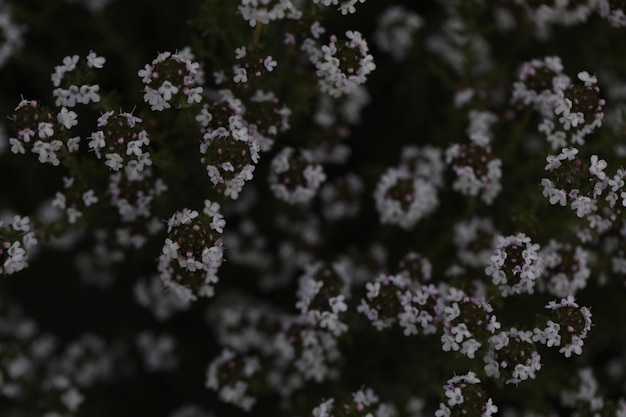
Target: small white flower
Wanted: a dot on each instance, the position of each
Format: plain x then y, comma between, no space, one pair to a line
67,118
455,396
568,153
94,61
597,167
589,80
269,63
72,144
373,289
240,52
89,198
114,161
89,93
240,74
584,206
45,130
18,147
338,304
69,63
553,163
167,90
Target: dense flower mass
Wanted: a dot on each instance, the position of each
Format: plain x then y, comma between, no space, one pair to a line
326,208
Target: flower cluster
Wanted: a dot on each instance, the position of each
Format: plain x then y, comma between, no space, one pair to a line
251,65
401,299
587,398
407,193
475,240
341,197
266,118
566,268
74,199
152,294
571,110
121,142
322,293
567,327
468,323
17,239
229,151
515,264
512,356
464,396
294,177
72,80
403,198
586,188
266,11
345,6
477,171
172,79
231,375
613,12
192,252
43,133
364,403
343,65
396,28
157,351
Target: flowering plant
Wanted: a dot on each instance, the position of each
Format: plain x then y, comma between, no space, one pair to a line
312,208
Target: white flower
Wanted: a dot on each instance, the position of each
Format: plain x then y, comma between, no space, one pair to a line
195,95
455,396
584,206
324,409
460,332
317,29
167,89
186,215
597,167
94,61
553,163
443,411
114,161
338,304
563,107
69,63
589,80
240,52
45,130
373,289
568,153
448,343
269,63
18,147
240,74
89,198
72,143
89,93
67,118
